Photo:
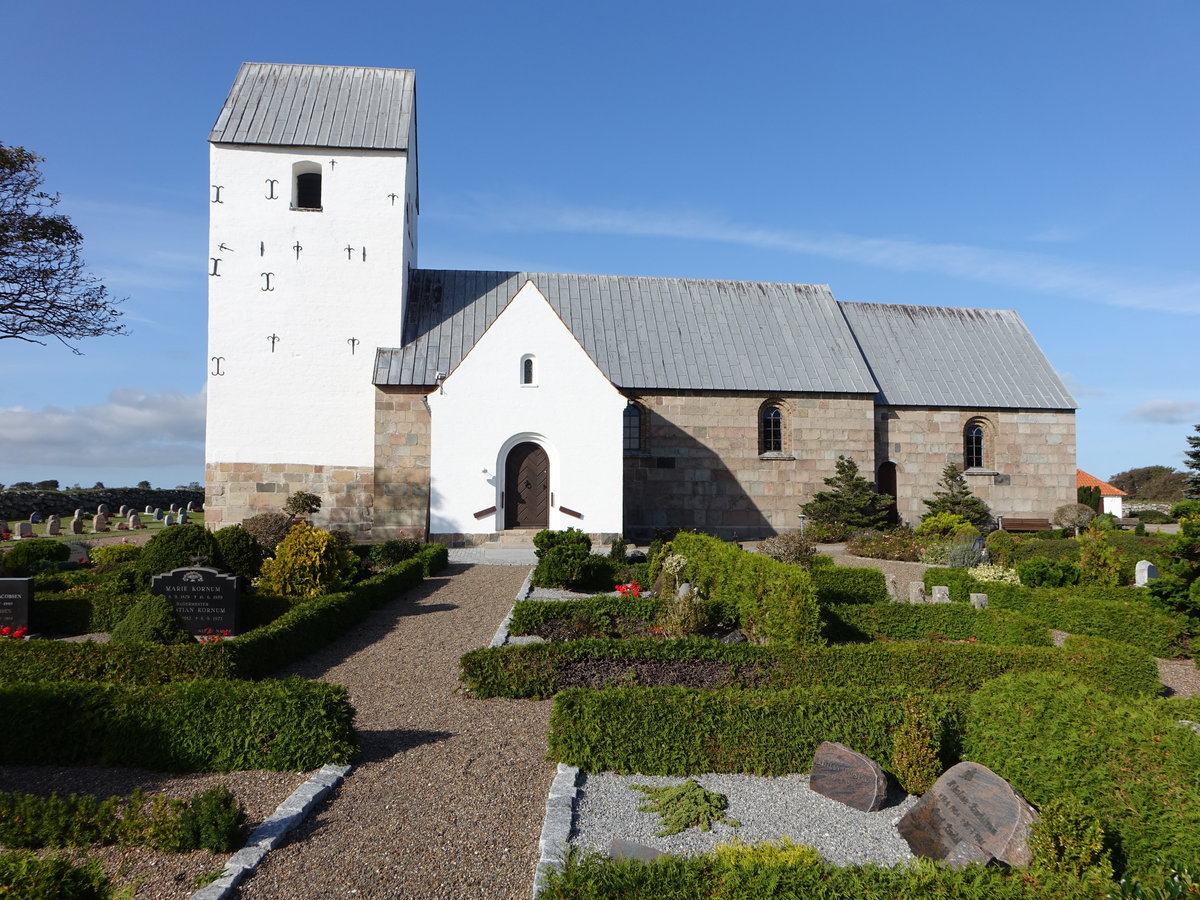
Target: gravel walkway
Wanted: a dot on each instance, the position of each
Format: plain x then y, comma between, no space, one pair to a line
446,800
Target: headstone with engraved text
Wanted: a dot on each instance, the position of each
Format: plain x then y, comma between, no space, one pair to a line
842,774
24,530
16,598
53,526
970,804
204,599
77,525
100,523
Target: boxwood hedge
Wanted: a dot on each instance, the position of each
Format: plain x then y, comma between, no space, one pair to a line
948,621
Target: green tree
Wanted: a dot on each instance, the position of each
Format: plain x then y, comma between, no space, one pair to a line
143,485
851,501
1191,460
44,289
1161,483
955,497
1088,496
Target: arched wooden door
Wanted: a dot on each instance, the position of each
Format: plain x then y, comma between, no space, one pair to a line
527,487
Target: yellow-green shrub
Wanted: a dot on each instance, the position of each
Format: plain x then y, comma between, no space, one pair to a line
308,562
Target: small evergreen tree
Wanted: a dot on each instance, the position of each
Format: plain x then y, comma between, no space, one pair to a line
956,497
852,500
1191,461
1088,496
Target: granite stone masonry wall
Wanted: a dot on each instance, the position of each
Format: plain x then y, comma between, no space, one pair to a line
1029,457
699,466
238,490
22,504
402,463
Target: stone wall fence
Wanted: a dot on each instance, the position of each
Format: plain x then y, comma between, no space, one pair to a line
18,505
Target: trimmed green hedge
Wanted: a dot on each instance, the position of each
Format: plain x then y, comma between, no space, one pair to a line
594,612
306,627
848,584
26,876
756,873
187,726
950,621
676,731
1080,610
1057,737
532,671
770,600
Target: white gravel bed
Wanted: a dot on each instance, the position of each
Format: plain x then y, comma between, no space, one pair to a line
767,808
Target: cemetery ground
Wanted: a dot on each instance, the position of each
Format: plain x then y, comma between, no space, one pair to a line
448,789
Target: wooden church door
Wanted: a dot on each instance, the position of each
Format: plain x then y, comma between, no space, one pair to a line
527,487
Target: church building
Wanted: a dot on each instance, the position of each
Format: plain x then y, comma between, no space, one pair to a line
464,405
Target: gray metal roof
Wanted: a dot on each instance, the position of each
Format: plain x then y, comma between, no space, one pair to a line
948,356
318,106
667,333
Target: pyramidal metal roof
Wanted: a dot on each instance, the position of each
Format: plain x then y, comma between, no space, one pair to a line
276,104
951,356
644,332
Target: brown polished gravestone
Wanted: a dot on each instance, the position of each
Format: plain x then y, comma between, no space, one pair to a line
16,596
970,804
206,600
841,774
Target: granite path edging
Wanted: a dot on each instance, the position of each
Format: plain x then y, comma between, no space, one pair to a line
554,843
501,637
271,833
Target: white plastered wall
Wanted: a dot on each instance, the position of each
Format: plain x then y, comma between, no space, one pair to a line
309,401
1113,505
482,410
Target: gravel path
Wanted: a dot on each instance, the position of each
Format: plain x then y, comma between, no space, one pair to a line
446,800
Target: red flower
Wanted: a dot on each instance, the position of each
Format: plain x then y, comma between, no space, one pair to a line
5,631
20,632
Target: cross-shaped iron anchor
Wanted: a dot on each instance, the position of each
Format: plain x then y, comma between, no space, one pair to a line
353,342
272,338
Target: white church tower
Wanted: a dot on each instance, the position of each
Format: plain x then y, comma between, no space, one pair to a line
313,229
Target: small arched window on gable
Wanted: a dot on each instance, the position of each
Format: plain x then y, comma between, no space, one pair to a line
306,186
528,370
770,428
974,445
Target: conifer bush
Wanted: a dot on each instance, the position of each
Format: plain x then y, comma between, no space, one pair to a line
241,554
268,529
31,556
151,621
308,562
177,547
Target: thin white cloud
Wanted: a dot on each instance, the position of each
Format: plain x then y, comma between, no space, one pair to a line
133,428
1028,271
1166,412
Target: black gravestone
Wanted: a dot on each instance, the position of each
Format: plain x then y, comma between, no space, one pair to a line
206,600
16,596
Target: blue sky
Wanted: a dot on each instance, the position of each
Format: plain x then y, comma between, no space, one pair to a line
1020,155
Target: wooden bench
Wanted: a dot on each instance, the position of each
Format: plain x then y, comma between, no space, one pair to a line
1129,523
1011,523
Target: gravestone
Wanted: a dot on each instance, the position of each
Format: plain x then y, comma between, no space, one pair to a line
191,507
16,598
970,804
1145,571
941,594
149,510
916,592
893,588
841,774
53,526
35,518
979,601
158,515
203,598
79,513
135,521
77,525
103,510
174,508
99,523
24,530
122,511
168,520
183,517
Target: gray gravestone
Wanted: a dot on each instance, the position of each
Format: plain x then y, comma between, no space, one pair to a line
158,515
941,594
122,511
893,588
841,774
16,598
168,520
79,513
77,525
99,523
183,517
191,507
979,601
1145,572
103,510
623,849
149,510
964,853
207,600
916,592
135,521
174,508
24,530
53,526
970,804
